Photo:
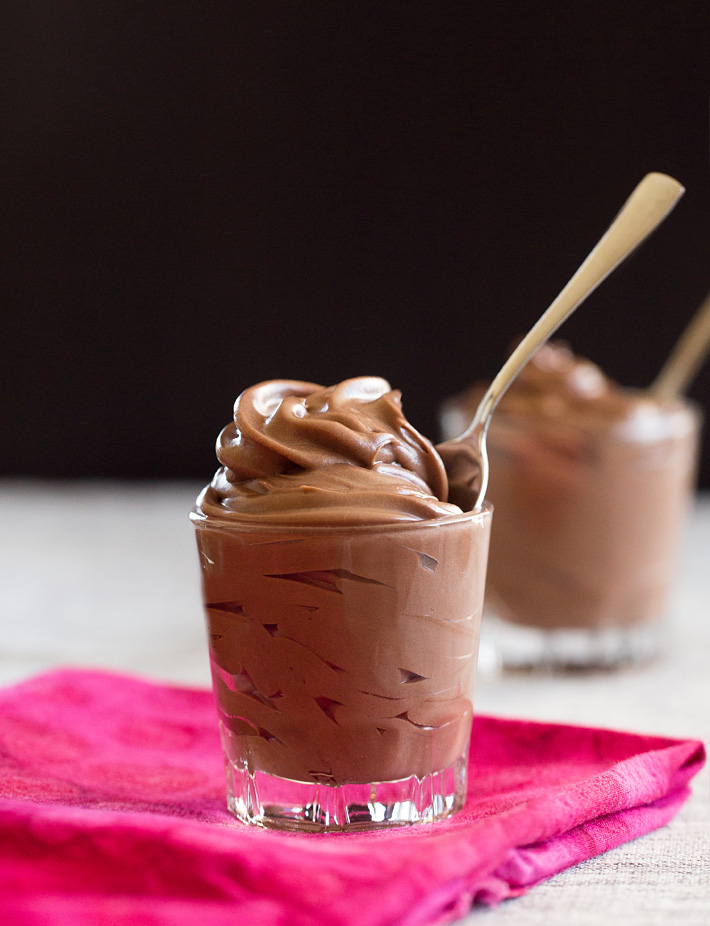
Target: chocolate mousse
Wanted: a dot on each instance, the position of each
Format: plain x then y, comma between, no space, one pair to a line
343,593
590,483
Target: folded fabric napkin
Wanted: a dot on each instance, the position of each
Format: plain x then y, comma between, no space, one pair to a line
112,810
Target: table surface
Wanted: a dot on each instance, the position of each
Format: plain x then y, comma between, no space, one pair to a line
105,575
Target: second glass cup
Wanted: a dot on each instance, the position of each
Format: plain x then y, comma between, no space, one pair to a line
589,519
343,664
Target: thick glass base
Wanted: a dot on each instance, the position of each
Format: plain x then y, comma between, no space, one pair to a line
505,645
279,803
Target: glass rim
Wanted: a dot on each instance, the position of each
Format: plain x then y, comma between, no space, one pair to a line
202,521
622,430
677,405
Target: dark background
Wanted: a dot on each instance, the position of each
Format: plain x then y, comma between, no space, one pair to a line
201,195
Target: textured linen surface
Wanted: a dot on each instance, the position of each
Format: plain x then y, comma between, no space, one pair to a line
112,811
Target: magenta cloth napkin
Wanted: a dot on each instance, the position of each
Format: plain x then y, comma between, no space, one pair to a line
112,810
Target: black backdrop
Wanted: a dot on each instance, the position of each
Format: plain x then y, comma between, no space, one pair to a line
202,195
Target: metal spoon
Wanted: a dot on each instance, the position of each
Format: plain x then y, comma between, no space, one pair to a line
685,359
465,457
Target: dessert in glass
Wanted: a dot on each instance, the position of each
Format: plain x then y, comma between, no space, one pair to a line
343,598
591,484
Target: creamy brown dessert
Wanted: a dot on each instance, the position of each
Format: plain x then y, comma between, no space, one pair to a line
343,593
590,483
297,453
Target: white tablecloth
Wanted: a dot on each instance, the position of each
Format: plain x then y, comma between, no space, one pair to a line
105,574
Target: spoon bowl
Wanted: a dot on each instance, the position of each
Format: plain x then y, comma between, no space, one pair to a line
465,457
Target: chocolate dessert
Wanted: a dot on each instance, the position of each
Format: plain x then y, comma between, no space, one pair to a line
590,483
343,593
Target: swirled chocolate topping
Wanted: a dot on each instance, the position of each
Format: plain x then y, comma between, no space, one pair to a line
299,453
557,383
557,387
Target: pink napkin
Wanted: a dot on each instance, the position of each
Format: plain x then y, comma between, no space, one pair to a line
112,811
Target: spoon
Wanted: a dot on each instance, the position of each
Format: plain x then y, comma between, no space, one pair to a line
465,457
685,359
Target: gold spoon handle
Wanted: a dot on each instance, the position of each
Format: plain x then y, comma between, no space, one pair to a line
646,208
686,357
465,457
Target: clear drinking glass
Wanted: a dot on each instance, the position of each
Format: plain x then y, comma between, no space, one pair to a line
589,520
343,663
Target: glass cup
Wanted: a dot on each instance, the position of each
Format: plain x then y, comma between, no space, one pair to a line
343,663
589,520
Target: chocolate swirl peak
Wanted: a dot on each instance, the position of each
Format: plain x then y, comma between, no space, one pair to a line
299,453
556,383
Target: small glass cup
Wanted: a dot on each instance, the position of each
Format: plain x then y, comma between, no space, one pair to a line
589,520
343,663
